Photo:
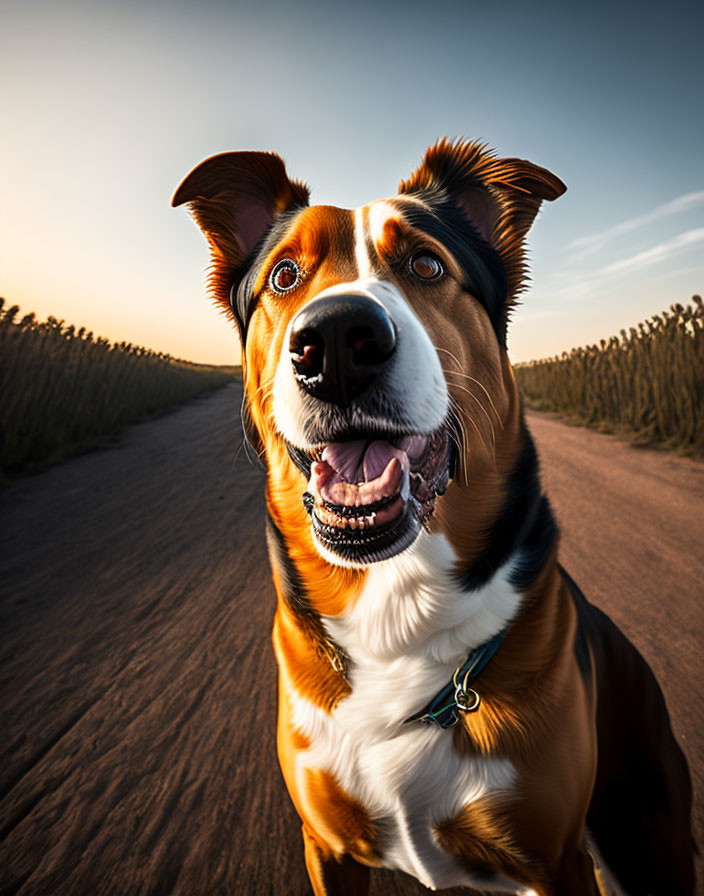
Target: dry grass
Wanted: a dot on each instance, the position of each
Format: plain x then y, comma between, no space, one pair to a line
648,383
63,389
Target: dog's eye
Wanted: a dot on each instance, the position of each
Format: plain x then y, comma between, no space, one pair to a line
285,276
425,265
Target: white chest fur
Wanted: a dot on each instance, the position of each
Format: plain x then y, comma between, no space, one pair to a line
405,635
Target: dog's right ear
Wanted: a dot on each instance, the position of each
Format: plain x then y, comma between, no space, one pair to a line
235,197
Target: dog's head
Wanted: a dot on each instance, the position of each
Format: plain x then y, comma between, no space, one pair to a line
374,339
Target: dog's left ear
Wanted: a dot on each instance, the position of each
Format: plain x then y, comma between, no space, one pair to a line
235,197
501,197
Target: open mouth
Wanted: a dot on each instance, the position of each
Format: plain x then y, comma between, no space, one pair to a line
369,498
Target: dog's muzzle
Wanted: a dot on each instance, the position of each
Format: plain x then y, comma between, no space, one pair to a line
381,453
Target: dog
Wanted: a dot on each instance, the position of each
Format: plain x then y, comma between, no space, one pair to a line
450,705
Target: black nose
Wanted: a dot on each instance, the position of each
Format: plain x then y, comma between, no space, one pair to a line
339,345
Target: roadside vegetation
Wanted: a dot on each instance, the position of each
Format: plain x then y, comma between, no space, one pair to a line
62,389
647,383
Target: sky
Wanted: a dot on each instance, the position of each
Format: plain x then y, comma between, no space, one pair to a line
107,106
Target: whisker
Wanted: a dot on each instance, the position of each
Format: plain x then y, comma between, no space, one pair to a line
490,449
484,411
447,352
461,372
482,387
463,447
237,454
265,390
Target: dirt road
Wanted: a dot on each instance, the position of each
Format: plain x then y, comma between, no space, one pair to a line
137,683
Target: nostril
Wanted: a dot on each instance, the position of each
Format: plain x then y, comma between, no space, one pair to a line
308,359
307,351
368,349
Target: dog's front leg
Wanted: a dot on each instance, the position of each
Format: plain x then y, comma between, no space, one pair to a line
330,876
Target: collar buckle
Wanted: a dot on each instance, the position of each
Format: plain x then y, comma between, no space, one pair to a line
446,707
467,700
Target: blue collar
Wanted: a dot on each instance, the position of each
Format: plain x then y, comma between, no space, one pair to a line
456,697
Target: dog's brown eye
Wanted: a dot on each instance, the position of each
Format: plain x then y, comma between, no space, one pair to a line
285,275
426,266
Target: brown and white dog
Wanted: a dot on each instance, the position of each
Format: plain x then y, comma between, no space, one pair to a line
449,703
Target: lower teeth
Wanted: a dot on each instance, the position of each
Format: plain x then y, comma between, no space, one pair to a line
342,522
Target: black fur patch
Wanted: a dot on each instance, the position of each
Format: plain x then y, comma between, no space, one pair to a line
291,582
296,598
525,522
535,547
483,270
584,624
242,297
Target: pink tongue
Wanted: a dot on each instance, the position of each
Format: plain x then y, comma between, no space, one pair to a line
354,464
347,474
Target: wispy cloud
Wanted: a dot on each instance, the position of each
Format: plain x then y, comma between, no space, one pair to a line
675,206
576,283
661,252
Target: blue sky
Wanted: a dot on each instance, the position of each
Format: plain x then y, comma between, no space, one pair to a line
107,106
